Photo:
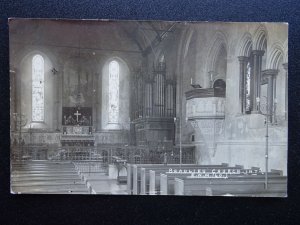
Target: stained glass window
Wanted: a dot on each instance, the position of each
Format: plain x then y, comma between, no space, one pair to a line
38,88
113,90
248,82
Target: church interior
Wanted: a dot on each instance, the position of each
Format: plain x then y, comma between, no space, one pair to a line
148,107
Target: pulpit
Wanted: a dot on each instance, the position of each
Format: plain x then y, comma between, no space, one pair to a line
205,111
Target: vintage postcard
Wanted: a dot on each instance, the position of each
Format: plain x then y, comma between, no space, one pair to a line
148,107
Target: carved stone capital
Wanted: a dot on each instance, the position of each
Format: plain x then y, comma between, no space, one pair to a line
258,52
243,58
269,73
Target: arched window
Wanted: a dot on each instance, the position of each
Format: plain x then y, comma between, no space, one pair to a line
113,90
38,88
248,88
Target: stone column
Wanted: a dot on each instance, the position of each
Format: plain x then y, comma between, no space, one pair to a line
285,66
256,79
242,84
270,76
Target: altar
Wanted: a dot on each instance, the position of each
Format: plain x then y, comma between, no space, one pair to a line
77,129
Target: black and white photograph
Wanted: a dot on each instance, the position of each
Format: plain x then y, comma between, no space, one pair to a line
116,107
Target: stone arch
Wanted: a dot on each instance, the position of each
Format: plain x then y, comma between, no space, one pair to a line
29,51
219,42
188,39
260,42
216,65
260,38
246,45
276,56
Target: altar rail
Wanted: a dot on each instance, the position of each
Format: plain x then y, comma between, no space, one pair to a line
106,154
31,152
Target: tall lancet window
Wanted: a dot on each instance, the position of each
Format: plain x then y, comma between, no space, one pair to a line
248,88
38,88
113,90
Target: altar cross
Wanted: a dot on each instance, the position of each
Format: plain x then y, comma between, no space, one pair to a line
77,114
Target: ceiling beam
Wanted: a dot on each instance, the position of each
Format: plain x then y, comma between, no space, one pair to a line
158,39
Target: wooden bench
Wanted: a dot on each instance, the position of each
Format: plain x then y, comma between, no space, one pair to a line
167,180
134,173
234,185
153,182
122,179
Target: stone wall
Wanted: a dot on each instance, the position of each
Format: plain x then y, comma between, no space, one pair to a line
243,139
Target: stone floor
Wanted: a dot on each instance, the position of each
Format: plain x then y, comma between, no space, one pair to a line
48,177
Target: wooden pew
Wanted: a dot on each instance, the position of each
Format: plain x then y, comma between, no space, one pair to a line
134,173
234,185
133,176
167,180
149,176
154,175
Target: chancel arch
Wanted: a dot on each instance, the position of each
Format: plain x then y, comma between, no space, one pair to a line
115,95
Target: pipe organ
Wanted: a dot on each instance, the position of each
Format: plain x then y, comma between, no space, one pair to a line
155,108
